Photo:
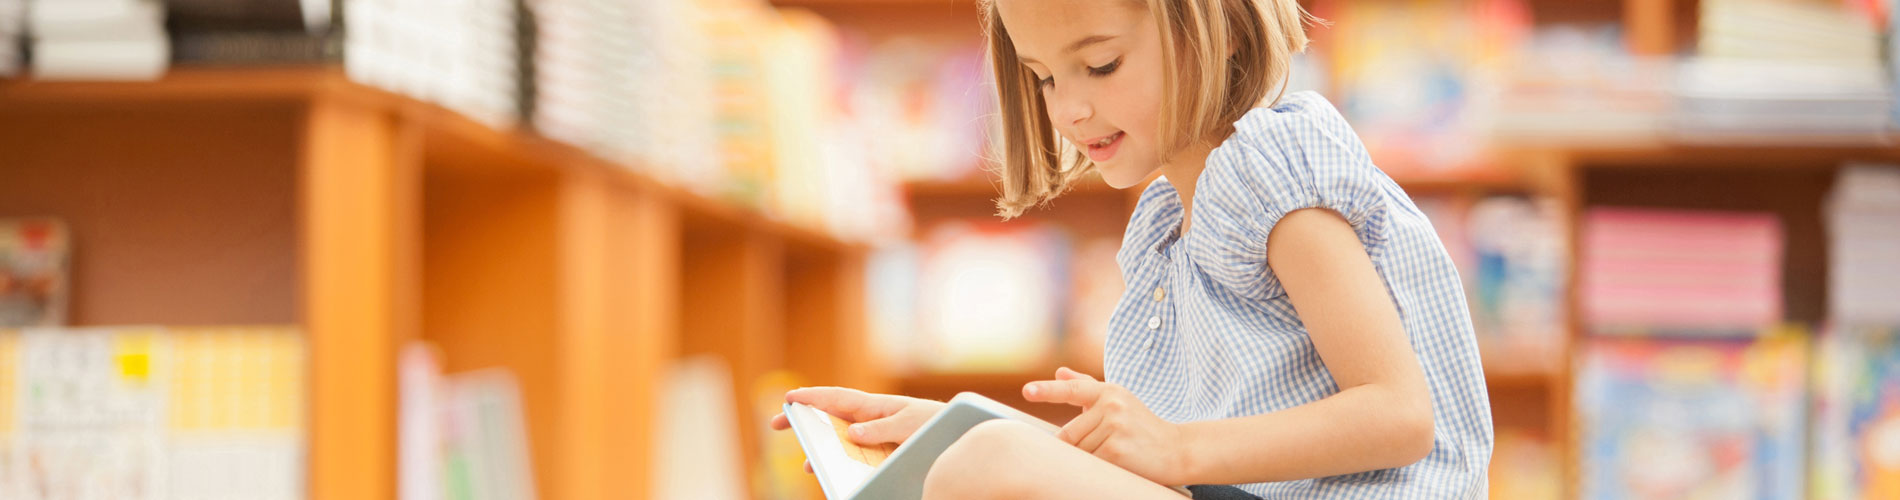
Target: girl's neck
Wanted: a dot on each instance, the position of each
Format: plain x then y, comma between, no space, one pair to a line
1183,171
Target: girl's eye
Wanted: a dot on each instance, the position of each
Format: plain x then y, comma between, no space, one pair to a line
1105,69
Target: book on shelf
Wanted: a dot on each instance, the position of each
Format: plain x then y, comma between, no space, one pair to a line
1856,412
1787,71
152,413
35,263
696,443
255,48
12,34
1680,272
1579,84
485,453
1722,418
1512,255
467,59
1863,223
98,40
461,436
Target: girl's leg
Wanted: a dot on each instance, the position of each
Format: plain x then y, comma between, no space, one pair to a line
1006,460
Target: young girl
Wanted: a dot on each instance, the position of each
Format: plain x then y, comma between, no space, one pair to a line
1291,324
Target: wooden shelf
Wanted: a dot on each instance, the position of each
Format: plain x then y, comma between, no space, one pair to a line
293,195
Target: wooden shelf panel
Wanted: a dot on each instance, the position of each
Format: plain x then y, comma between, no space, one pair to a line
181,85
179,214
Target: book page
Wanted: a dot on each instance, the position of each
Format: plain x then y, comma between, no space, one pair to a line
841,465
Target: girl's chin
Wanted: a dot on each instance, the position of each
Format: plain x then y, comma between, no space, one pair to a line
1123,176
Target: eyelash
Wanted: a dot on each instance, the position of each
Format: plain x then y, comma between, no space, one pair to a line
1095,71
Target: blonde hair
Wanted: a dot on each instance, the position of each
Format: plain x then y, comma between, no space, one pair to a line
1250,43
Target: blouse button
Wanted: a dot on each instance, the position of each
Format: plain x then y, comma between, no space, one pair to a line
1154,322
1160,294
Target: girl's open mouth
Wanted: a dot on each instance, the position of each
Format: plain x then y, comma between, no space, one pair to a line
1103,149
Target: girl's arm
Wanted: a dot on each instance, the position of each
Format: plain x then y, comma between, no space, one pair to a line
1382,416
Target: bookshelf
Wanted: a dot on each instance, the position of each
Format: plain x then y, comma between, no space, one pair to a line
294,196
1779,174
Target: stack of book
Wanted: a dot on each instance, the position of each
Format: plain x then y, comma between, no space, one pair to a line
463,55
1571,85
253,32
1647,271
1863,217
1786,71
98,39
626,81
12,29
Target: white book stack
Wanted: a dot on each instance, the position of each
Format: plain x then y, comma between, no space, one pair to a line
98,39
568,68
461,54
623,79
1790,71
1863,217
12,28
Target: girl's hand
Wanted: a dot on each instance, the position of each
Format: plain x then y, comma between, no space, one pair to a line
876,418
1114,426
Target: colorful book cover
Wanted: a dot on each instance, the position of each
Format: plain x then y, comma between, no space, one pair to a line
1680,272
1693,418
34,257
1857,415
146,412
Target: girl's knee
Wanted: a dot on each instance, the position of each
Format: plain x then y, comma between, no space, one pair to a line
983,463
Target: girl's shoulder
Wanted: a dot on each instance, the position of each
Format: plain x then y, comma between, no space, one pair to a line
1299,122
1297,154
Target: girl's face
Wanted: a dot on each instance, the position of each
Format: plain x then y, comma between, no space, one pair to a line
1098,63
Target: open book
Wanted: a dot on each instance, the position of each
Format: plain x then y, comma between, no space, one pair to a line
848,471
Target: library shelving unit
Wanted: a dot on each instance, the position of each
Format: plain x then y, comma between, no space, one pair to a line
1768,174
294,196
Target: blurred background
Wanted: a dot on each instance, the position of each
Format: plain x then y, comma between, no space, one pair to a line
577,249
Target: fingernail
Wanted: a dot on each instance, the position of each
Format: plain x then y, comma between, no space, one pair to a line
857,430
1032,390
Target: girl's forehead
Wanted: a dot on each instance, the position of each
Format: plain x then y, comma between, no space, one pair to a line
1045,29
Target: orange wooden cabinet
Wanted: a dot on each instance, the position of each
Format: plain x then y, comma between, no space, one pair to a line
293,196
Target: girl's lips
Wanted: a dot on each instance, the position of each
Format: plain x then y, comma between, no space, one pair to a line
1100,151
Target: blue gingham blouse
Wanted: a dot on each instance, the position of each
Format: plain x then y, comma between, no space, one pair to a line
1205,331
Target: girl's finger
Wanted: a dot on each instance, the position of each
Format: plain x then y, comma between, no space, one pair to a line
1074,392
1064,373
808,468
849,404
892,429
1080,427
780,422
1093,441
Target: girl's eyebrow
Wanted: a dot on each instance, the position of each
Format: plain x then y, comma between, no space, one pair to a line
1078,45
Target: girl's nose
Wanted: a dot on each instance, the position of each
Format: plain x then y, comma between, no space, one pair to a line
1071,108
